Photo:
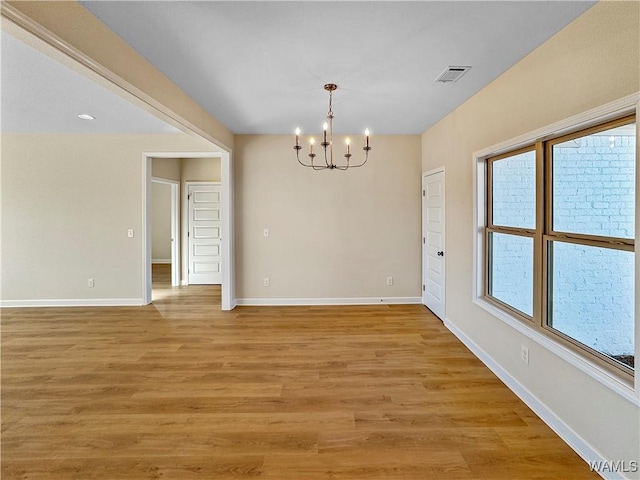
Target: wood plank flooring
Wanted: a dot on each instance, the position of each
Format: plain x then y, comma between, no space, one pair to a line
181,390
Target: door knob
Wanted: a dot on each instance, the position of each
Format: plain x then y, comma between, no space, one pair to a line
441,254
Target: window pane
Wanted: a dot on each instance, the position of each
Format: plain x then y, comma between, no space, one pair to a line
511,271
591,297
513,183
594,184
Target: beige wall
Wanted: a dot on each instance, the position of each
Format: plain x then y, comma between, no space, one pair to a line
160,222
200,169
591,62
67,203
167,168
332,234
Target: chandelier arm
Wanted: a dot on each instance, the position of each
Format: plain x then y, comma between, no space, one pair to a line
328,142
317,167
297,148
358,165
311,165
366,157
344,167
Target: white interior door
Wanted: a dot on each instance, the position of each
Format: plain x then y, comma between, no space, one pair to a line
433,259
204,234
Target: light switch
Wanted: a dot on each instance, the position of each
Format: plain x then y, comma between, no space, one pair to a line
130,233
266,232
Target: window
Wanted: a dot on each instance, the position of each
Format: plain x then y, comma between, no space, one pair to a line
511,230
559,239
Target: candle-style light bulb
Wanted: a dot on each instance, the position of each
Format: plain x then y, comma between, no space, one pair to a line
325,125
347,141
366,133
312,141
297,135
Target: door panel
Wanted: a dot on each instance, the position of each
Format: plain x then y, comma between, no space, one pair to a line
205,226
433,254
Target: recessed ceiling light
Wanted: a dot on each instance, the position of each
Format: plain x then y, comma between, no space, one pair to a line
86,116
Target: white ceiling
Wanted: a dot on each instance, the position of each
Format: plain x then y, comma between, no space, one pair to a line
260,67
40,95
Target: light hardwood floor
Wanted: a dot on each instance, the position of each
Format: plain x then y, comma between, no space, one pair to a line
181,390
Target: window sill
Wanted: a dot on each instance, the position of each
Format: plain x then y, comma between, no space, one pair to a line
617,385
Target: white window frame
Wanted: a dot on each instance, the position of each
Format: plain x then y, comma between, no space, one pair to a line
625,106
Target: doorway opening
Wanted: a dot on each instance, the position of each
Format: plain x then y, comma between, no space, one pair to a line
179,169
165,235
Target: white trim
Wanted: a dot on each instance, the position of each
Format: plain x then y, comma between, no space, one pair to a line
433,171
329,301
146,228
175,233
625,106
575,441
601,114
166,181
160,261
75,302
228,257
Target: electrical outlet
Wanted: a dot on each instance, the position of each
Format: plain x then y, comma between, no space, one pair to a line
524,354
90,283
266,281
389,281
265,232
130,233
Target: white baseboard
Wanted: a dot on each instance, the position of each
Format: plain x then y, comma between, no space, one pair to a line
575,441
161,260
76,302
259,302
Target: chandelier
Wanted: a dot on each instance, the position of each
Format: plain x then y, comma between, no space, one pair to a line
327,143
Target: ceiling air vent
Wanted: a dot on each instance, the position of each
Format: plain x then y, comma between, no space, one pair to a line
452,74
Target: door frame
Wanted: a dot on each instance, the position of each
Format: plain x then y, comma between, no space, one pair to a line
185,229
426,174
175,227
228,267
